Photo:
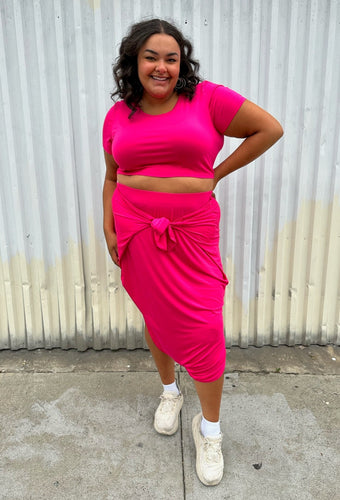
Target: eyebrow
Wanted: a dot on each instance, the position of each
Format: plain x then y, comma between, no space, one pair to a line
156,53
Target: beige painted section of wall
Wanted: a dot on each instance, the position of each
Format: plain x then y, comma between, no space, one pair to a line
45,307
298,286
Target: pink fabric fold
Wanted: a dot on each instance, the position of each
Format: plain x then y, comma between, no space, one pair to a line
163,232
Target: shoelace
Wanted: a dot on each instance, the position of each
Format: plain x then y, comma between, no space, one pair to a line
168,401
212,449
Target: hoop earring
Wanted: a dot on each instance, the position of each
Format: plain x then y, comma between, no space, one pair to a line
181,83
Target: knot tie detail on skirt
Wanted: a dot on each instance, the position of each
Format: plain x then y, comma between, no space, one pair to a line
163,233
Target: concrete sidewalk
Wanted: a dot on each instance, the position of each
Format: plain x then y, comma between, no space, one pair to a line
79,426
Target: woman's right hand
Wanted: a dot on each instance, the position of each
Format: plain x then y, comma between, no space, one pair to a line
111,241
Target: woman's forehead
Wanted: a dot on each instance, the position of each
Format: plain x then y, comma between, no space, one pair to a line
161,43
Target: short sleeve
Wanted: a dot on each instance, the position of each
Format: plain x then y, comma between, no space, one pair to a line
224,104
108,131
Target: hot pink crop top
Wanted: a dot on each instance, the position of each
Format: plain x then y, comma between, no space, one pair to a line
183,142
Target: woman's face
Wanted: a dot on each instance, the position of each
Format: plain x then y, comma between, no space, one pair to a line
158,65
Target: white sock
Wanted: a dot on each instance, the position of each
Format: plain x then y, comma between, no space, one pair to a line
210,429
171,387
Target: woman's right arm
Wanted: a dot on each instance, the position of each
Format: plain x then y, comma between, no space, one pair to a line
110,184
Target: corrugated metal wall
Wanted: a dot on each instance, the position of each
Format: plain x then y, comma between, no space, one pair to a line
280,230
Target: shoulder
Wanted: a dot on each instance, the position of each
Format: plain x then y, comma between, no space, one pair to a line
117,110
205,89
210,92
211,89
223,103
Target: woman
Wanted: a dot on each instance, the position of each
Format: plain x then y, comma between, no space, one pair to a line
160,143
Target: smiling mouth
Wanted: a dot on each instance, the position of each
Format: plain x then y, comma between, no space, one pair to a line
159,78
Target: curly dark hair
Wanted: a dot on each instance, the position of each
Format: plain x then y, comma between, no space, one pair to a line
125,71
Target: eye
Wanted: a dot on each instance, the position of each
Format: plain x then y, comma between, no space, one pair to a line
172,60
150,58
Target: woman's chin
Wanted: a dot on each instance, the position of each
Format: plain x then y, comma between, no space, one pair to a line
161,94
160,91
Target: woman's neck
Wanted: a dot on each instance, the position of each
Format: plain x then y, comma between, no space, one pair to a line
155,106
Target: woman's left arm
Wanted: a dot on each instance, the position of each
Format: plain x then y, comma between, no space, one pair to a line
260,130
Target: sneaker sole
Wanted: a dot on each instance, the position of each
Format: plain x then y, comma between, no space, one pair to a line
196,435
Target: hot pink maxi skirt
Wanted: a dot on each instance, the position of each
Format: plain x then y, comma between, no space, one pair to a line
168,246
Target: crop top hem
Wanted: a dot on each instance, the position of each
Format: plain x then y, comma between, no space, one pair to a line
175,172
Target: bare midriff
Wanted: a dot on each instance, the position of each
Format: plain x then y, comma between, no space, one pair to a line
167,184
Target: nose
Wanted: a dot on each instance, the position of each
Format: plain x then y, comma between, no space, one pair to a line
160,66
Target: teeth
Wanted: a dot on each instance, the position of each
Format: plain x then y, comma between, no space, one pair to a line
159,78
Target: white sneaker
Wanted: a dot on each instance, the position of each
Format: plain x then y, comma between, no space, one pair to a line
167,414
209,458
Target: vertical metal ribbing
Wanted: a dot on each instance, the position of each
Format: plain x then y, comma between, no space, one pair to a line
28,270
